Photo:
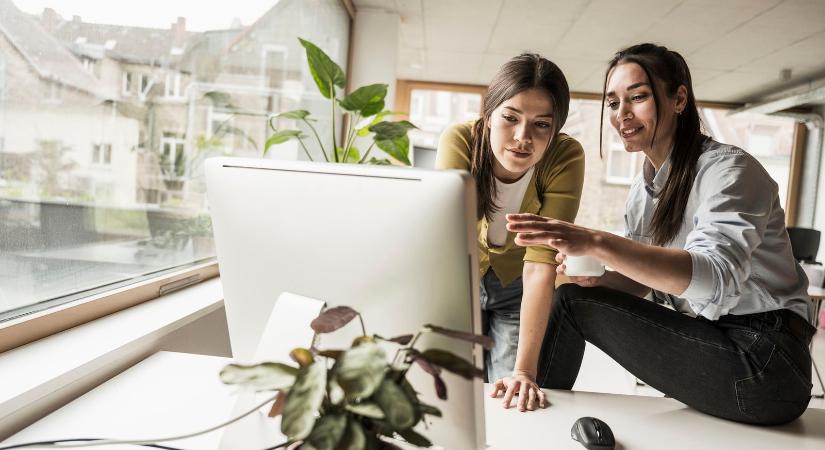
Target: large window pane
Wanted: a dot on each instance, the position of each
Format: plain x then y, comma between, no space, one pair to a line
608,179
105,124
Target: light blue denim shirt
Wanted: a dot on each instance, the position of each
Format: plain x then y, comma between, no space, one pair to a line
734,230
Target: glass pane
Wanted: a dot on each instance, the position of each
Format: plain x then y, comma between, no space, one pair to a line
106,118
768,138
432,111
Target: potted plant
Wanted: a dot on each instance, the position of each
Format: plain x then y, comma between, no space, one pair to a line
363,111
354,398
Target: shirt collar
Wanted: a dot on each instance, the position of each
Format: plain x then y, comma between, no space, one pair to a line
655,179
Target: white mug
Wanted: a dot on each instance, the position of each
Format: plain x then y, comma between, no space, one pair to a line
583,266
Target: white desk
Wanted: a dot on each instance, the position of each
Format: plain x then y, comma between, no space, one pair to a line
174,393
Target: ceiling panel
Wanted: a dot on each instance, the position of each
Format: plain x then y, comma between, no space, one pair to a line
735,48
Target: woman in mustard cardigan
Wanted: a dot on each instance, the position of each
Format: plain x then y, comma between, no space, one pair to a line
521,164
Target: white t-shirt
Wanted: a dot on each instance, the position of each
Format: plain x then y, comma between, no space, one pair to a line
508,198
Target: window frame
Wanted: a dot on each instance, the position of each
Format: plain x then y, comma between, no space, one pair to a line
31,327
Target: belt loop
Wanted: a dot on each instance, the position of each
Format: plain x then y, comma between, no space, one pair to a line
778,325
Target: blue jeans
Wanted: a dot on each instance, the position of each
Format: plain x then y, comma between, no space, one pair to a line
500,315
753,368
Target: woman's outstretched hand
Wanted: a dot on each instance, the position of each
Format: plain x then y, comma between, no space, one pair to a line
566,237
530,396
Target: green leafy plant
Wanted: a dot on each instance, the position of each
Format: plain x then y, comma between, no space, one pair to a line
363,110
355,398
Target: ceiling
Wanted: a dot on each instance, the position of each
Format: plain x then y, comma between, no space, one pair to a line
737,50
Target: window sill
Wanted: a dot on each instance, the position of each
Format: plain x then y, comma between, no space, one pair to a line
38,376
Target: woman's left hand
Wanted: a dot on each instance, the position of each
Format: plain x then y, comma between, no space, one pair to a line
567,238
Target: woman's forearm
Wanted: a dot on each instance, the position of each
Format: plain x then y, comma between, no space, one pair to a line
539,283
614,280
665,269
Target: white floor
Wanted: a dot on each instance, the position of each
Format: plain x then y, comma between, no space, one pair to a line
599,373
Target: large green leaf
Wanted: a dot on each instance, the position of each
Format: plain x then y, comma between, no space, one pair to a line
398,148
360,370
399,410
366,100
324,70
261,377
451,362
366,409
303,401
354,437
363,126
328,430
279,137
391,130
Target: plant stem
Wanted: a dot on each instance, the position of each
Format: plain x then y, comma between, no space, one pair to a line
315,132
332,119
367,153
305,149
363,329
350,137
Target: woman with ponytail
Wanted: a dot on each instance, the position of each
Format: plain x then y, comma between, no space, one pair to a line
706,237
521,164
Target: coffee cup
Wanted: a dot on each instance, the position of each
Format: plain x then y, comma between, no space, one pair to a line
583,266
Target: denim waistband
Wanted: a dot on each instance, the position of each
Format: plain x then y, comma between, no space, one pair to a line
778,320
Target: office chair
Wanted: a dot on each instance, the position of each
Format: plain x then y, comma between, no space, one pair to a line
804,243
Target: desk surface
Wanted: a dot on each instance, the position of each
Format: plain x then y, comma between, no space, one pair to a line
816,293
174,393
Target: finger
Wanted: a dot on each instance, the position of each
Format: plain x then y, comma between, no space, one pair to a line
498,387
508,396
560,257
531,402
521,217
543,399
560,269
522,396
530,225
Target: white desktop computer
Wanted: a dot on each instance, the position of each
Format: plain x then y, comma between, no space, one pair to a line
396,244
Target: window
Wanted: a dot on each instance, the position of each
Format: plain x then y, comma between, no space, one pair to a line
102,154
173,154
145,84
88,64
172,85
622,166
433,107
69,229
54,92
128,83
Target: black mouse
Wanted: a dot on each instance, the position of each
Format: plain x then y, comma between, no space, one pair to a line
593,434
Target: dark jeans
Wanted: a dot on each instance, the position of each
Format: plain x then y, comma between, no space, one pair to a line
753,368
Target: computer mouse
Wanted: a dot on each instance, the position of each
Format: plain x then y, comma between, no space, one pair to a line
593,434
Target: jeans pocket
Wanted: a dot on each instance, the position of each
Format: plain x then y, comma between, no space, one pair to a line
777,394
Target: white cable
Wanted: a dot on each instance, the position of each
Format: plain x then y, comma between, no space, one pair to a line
164,439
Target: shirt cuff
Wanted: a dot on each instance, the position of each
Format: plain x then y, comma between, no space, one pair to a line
701,285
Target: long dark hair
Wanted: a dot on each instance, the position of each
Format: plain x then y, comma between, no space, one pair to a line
523,72
667,70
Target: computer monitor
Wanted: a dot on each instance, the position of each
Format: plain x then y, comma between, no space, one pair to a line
396,244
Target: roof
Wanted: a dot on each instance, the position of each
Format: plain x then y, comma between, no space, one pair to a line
139,45
47,56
